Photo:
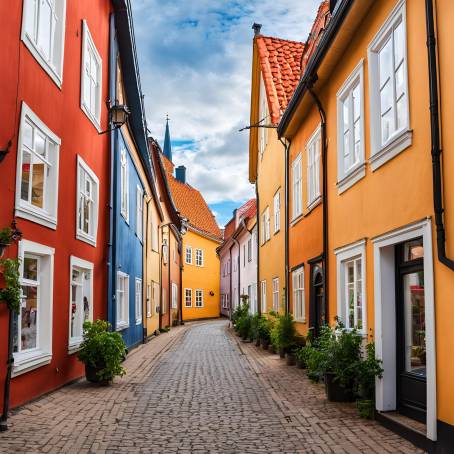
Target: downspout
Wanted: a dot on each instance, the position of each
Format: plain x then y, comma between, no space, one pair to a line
169,296
160,281
145,277
324,198
259,285
437,177
181,286
286,224
230,293
238,263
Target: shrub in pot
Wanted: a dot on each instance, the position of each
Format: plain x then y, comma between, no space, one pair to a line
6,238
263,331
300,354
254,331
102,351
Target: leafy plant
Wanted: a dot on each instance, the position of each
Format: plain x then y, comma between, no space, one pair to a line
302,353
367,369
264,329
11,294
103,350
254,330
283,332
240,311
6,236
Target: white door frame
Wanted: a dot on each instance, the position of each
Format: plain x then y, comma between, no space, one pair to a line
385,317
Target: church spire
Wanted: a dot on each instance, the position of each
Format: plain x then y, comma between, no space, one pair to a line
167,144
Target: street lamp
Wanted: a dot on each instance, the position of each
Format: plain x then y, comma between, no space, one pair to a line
118,115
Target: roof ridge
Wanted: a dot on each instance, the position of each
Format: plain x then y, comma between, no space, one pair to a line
281,39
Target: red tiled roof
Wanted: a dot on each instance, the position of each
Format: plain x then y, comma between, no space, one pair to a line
280,63
250,209
190,203
246,211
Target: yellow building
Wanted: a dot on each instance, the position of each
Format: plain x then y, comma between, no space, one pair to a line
275,73
390,247
200,285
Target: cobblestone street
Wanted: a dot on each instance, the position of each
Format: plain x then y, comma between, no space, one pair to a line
197,390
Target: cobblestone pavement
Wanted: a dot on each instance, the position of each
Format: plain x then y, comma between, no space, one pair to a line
197,390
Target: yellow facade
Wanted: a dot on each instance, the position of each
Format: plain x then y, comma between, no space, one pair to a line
204,278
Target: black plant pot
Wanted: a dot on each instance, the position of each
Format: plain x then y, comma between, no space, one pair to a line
265,344
300,364
335,392
291,359
282,352
91,374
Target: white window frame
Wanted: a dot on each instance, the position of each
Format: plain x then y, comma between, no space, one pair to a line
124,184
122,314
199,258
249,249
155,292
52,66
347,177
164,301
263,119
267,221
88,45
187,292
138,300
89,238
344,256
46,216
263,295
139,213
149,300
299,295
87,268
174,296
400,139
42,354
313,153
277,211
297,187
276,294
198,301
188,254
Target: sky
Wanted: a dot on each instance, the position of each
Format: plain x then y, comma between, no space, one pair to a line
195,61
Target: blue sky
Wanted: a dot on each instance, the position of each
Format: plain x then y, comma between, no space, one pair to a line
195,65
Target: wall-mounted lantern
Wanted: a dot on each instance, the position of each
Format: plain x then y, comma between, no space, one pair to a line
118,114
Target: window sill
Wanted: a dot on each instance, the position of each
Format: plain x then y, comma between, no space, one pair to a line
25,212
296,220
300,320
30,45
74,347
121,326
276,231
314,204
96,123
398,144
24,363
351,178
85,238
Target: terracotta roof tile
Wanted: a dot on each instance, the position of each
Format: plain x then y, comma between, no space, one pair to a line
191,204
280,62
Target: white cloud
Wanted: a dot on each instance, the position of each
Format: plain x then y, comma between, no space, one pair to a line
195,62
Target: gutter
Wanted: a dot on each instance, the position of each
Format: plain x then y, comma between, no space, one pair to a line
286,225
437,177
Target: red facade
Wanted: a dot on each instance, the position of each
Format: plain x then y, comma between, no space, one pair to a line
23,80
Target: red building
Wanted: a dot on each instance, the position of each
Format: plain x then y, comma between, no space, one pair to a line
54,182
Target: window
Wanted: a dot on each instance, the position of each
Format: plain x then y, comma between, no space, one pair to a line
155,297
249,250
91,79
32,330
122,301
313,169
149,302
139,213
81,300
199,257
174,296
265,225
263,290
37,171
264,118
188,297
138,301
390,132
350,130
124,185
164,301
189,255
277,212
87,203
165,251
276,294
297,185
43,32
299,308
351,286
199,298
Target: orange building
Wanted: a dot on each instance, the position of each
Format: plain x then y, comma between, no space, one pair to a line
385,107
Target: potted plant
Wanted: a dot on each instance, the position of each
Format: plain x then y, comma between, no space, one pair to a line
300,354
263,331
102,351
6,238
254,335
285,334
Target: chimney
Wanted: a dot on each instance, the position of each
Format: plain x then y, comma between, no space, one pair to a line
180,174
256,27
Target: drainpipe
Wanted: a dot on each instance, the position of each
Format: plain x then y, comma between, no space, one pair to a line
181,286
169,296
324,196
10,361
259,285
437,177
286,224
238,263
230,293
160,282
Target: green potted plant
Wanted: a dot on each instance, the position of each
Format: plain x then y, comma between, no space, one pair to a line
6,238
263,331
255,329
102,351
285,334
301,354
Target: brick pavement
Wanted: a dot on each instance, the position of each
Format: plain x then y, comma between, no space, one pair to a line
197,390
